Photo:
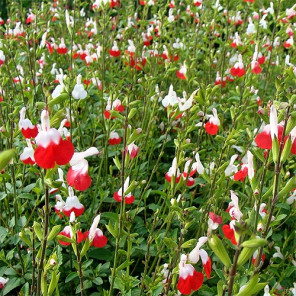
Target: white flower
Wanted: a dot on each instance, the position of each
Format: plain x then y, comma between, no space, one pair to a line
79,92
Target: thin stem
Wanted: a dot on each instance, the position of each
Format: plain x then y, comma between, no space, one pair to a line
44,241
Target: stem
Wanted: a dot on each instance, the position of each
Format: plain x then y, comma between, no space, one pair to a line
122,204
44,241
233,269
79,267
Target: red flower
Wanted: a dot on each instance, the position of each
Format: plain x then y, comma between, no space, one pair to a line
241,175
189,279
228,231
68,233
52,149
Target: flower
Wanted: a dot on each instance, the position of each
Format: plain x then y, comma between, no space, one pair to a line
51,148
114,51
67,231
212,126
59,205
197,252
171,98
228,231
238,69
231,168
77,176
114,139
62,49
241,174
129,198
181,73
27,157
95,235
189,279
214,221
132,149
255,255
173,170
2,58
73,205
28,129
3,281
264,139
79,92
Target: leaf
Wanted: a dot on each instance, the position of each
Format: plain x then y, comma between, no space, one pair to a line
98,281
3,234
71,276
12,284
101,254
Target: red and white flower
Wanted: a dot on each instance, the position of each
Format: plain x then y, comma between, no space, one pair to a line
52,149
95,235
73,205
198,252
114,139
214,221
238,68
128,198
62,49
212,126
67,231
289,43
264,139
3,282
114,51
231,168
189,279
255,255
197,2
77,176
59,205
27,157
28,129
116,105
132,149
181,73
234,210
229,231
31,17
173,171
2,58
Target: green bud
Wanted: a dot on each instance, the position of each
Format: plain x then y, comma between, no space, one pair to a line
25,238
189,244
218,248
65,239
117,163
255,243
5,158
54,232
132,113
275,149
245,255
289,186
287,150
37,230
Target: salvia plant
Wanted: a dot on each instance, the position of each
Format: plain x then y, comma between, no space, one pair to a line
148,147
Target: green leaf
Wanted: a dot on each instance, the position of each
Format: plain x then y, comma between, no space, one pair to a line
12,284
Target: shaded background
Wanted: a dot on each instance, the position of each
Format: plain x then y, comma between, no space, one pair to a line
29,3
